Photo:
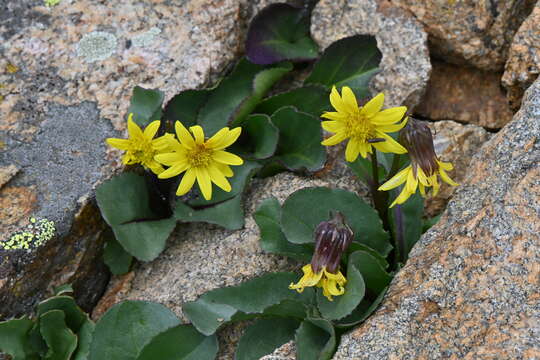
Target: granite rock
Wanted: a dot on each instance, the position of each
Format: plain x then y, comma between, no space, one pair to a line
523,63
465,94
405,64
470,287
470,32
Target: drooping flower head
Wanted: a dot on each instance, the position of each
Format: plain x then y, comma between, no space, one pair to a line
365,127
424,167
202,160
140,146
332,238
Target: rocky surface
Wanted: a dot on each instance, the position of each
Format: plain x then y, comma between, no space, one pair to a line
523,63
465,94
405,64
470,287
470,32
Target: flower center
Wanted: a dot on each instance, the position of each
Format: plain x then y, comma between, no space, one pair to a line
142,151
199,156
360,127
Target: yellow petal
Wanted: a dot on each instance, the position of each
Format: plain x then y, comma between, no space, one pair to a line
389,116
446,178
151,130
229,139
373,106
435,184
134,130
337,102
170,159
309,279
393,127
349,99
403,196
187,182
225,157
445,165
365,148
334,139
412,182
219,179
155,167
217,138
334,115
422,189
173,171
121,144
224,169
198,134
183,135
205,184
396,180
352,150
389,145
332,126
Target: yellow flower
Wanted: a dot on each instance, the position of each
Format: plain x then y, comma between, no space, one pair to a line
141,147
202,160
365,127
332,284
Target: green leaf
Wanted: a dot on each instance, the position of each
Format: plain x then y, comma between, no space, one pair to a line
308,207
85,339
237,95
181,342
217,307
185,107
357,246
428,223
63,289
117,259
238,182
361,313
264,336
127,327
315,340
14,337
312,99
273,241
125,205
145,105
374,275
228,214
288,308
363,169
407,222
259,137
343,305
74,316
280,32
300,139
351,61
61,341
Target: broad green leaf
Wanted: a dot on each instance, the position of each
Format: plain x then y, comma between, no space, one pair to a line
288,308
263,337
127,327
315,340
237,95
259,137
117,259
361,313
85,339
351,61
14,337
312,99
357,246
63,289
374,275
308,207
343,305
363,169
145,105
268,217
242,174
228,214
407,222
217,307
74,316
61,341
185,107
280,32
300,139
181,342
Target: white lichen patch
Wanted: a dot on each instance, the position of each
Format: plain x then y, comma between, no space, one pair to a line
147,38
35,234
97,46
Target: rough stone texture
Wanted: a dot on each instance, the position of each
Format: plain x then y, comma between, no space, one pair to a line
405,64
471,32
286,351
523,63
465,94
456,143
470,287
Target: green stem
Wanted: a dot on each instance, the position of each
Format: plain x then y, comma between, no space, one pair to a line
380,198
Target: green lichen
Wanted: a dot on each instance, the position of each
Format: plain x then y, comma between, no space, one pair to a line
35,234
97,46
51,3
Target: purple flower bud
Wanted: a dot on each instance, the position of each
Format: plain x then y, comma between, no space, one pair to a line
332,238
417,139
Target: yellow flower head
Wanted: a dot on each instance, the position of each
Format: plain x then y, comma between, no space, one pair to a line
424,168
141,147
365,127
200,159
332,284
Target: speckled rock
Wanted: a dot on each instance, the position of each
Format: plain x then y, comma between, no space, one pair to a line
405,64
286,351
470,287
523,63
455,143
465,94
471,32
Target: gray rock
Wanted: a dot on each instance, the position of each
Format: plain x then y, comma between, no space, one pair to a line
470,287
405,65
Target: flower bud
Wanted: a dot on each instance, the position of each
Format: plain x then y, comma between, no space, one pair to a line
417,139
